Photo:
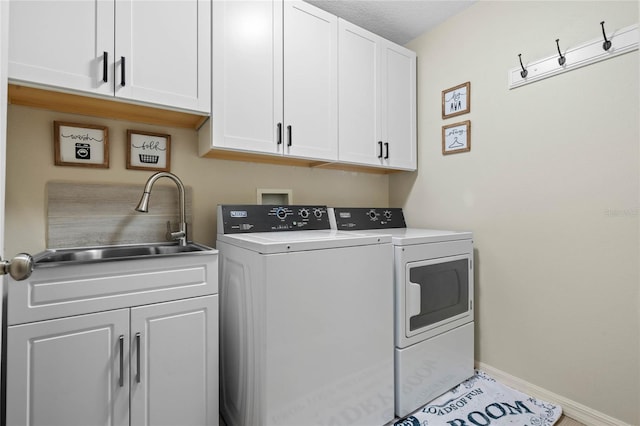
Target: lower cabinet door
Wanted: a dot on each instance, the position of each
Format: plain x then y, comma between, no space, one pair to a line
69,372
174,363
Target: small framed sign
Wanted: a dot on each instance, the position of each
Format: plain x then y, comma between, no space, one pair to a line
148,151
84,145
456,138
456,100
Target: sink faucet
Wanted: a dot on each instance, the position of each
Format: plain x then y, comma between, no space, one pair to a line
143,206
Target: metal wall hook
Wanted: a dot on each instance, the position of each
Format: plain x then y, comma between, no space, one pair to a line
561,59
524,71
607,43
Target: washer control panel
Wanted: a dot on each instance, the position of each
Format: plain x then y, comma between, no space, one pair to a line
242,218
357,218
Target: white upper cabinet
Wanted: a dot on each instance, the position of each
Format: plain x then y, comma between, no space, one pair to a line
246,76
64,44
310,82
377,100
359,130
145,51
167,51
274,79
398,108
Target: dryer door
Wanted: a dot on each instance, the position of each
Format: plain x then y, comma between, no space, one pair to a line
437,293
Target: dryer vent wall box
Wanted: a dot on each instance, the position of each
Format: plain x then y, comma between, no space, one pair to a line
274,196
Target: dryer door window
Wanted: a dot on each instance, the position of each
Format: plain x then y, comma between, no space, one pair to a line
437,292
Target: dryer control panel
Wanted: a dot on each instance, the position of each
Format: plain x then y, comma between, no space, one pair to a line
358,218
242,218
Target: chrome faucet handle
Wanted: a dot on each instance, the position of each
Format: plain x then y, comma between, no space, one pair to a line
174,236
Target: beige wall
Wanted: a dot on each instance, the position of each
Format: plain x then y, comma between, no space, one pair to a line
30,166
550,189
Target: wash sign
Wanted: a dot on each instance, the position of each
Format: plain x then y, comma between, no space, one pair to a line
482,401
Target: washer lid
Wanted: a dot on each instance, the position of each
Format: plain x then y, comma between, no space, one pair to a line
293,241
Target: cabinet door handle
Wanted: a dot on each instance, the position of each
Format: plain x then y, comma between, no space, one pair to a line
290,139
279,133
121,380
386,146
137,357
122,71
380,148
105,66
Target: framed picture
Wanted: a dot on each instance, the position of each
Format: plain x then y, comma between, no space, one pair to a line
456,138
456,100
148,151
84,145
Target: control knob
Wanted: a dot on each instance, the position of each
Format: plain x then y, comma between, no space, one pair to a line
304,213
317,213
281,213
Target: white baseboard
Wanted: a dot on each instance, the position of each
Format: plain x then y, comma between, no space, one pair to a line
570,408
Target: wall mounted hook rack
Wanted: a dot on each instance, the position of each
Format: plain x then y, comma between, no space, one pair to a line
622,41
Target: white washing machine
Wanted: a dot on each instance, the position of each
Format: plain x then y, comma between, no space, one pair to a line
306,319
433,300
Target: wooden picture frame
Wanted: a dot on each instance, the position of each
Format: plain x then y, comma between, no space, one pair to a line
82,145
456,137
456,100
148,151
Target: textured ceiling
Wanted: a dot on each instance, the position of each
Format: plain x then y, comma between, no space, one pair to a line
397,20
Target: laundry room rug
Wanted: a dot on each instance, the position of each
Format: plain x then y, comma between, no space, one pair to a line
482,401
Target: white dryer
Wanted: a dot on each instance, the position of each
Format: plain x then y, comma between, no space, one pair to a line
433,300
306,319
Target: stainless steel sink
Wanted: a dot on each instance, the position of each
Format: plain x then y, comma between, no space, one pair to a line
54,257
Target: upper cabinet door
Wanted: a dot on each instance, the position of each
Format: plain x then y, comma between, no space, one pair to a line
359,133
310,82
247,76
377,100
162,52
399,107
62,44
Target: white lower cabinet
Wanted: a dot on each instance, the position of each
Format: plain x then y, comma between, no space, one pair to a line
148,365
67,371
174,363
